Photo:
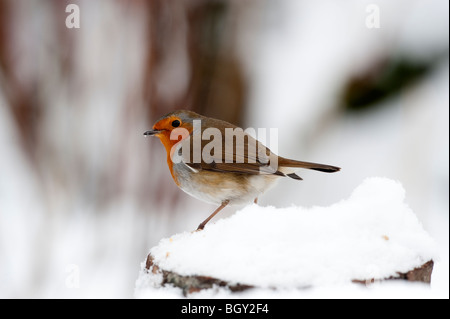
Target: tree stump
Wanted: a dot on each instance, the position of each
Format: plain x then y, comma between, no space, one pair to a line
190,284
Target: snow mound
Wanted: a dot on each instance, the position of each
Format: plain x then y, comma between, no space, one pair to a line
373,234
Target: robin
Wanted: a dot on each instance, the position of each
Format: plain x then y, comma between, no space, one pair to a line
233,168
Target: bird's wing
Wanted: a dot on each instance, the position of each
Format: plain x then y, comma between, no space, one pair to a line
234,151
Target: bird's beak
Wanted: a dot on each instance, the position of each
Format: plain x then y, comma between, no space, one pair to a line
153,132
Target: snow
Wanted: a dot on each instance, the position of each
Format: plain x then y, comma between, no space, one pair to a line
372,234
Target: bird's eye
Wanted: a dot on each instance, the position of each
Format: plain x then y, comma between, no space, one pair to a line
176,123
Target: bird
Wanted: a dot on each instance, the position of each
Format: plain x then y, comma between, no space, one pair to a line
208,164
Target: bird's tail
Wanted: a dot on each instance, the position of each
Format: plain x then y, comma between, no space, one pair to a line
285,162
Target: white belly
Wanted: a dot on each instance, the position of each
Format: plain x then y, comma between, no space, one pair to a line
216,187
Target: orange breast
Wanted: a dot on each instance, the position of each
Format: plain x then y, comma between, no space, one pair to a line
169,146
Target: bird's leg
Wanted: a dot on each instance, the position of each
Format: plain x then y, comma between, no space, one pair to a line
202,225
256,200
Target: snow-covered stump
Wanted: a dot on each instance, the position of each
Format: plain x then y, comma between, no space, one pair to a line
371,236
195,283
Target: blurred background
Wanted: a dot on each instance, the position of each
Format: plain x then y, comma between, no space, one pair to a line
363,85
